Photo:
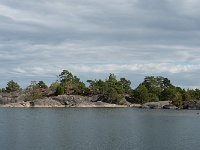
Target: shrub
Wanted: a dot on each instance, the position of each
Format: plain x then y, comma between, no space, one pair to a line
60,90
12,86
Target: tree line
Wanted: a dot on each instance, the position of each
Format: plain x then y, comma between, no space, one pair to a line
111,90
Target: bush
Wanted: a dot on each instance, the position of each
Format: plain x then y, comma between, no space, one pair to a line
12,86
33,92
141,94
41,84
122,102
177,100
60,90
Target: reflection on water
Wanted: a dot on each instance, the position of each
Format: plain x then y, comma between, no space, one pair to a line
98,129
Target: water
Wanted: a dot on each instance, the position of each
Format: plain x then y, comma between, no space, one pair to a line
98,129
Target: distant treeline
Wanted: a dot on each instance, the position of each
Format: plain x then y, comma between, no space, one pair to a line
153,88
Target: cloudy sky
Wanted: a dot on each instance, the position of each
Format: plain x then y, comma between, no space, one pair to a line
91,38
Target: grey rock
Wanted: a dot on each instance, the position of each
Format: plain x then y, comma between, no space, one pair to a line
32,104
195,104
21,98
45,102
72,100
169,107
155,105
6,98
65,99
96,98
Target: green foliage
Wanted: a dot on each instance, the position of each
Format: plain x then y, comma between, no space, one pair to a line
33,91
186,96
112,95
122,102
97,87
126,84
3,90
194,94
160,88
12,86
54,86
156,85
57,88
71,83
177,99
41,84
168,94
153,97
197,94
60,90
65,77
153,88
78,86
141,94
112,89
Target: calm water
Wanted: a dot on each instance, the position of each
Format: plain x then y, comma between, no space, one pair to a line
99,129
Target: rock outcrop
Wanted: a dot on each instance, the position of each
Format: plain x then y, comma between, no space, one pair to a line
14,97
195,104
45,102
156,105
170,106
17,99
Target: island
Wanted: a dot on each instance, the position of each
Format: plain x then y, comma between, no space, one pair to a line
155,92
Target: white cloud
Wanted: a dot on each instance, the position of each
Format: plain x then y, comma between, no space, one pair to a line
110,68
40,38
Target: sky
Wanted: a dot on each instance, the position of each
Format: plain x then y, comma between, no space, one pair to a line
92,38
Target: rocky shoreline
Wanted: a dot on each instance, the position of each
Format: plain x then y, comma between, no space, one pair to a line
61,101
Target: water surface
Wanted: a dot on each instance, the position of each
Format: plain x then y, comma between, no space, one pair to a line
98,129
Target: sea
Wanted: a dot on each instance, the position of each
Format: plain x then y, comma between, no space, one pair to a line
99,129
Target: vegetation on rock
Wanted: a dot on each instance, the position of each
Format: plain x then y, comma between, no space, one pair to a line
111,90
12,86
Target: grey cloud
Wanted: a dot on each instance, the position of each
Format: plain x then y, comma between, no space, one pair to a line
40,38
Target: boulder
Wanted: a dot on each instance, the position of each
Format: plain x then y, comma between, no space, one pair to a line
7,100
94,98
194,104
66,99
155,105
130,99
45,102
97,98
102,98
32,104
13,97
135,105
21,98
170,106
